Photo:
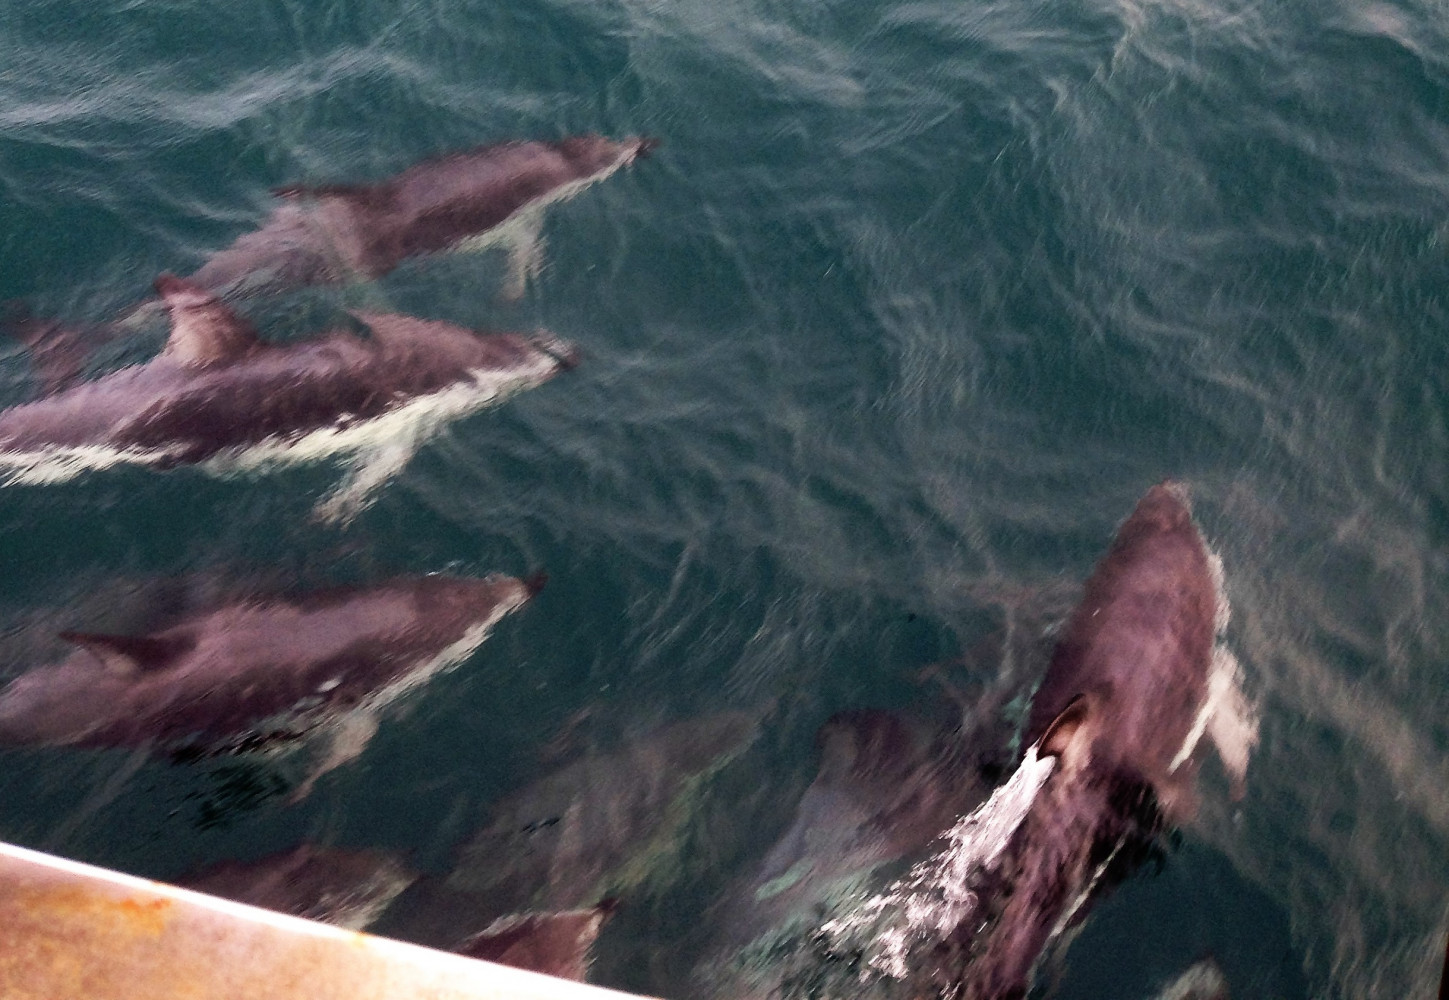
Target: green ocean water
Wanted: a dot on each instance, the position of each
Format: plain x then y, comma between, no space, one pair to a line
912,303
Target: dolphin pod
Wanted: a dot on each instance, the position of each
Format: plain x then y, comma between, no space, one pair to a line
1136,682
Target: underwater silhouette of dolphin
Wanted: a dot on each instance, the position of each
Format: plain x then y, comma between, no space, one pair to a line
341,232
261,672
340,886
220,395
556,944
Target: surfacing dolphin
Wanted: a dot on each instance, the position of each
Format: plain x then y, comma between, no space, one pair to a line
261,673
1137,678
492,195
221,396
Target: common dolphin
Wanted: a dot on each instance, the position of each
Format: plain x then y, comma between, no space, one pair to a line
1136,679
348,888
261,671
218,394
492,194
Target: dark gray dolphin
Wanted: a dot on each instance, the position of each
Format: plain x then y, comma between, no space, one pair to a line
220,395
342,232
262,671
1133,683
1136,679
348,888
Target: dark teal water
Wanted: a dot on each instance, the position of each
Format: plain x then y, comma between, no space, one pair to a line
914,301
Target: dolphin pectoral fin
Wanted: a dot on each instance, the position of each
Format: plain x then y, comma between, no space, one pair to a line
1233,725
525,253
373,468
1064,737
1225,717
349,739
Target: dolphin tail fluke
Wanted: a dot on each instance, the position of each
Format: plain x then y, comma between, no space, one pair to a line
58,352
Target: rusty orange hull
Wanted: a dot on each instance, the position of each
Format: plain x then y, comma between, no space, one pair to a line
69,930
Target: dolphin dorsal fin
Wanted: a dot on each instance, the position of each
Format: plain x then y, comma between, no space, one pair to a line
1060,738
203,330
129,655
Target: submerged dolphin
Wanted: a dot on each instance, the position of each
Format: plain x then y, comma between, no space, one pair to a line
603,826
344,232
260,672
557,944
885,787
1136,679
218,394
348,888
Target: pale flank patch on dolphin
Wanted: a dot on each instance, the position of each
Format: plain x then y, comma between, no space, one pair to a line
556,944
521,235
47,466
348,735
1226,717
381,446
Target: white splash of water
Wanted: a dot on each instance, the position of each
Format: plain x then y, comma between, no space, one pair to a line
939,894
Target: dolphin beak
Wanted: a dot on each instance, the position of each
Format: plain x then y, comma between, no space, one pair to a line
647,144
566,354
534,583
